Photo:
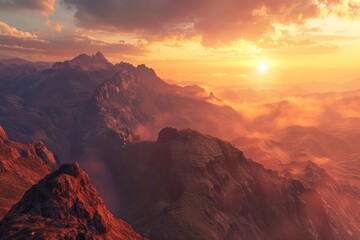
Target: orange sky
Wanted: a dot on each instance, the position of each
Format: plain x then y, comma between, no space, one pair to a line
208,41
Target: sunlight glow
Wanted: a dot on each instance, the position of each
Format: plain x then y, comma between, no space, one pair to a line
263,67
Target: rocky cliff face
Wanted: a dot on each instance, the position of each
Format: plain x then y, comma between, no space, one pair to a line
63,205
21,165
136,102
342,200
42,105
194,186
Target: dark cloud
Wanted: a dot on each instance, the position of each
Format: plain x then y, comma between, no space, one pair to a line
45,6
216,21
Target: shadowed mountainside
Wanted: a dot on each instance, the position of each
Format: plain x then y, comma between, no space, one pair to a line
136,103
200,187
90,96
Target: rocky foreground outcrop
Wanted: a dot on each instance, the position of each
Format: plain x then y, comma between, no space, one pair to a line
21,166
63,205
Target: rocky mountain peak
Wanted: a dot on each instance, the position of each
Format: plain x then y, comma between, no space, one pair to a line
99,55
213,99
315,174
86,62
97,58
72,170
144,68
147,74
167,135
64,205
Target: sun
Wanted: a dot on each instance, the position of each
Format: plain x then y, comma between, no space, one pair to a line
263,67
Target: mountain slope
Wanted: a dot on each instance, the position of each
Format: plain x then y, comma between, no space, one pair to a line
63,205
342,200
21,165
336,150
90,93
200,187
42,105
135,105
136,102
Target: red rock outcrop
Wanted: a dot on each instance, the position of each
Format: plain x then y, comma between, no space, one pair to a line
63,205
21,166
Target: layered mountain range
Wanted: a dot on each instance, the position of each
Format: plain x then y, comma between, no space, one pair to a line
167,183
78,106
187,185
91,93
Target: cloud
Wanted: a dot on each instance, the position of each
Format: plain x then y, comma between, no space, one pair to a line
61,45
16,48
53,26
7,30
217,22
287,48
346,8
276,110
349,107
45,6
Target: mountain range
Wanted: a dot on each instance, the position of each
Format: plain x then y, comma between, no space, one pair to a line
50,104
121,124
187,185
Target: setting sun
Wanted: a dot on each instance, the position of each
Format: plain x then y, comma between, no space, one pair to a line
263,67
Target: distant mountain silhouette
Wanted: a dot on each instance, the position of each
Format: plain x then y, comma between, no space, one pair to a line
21,62
86,63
